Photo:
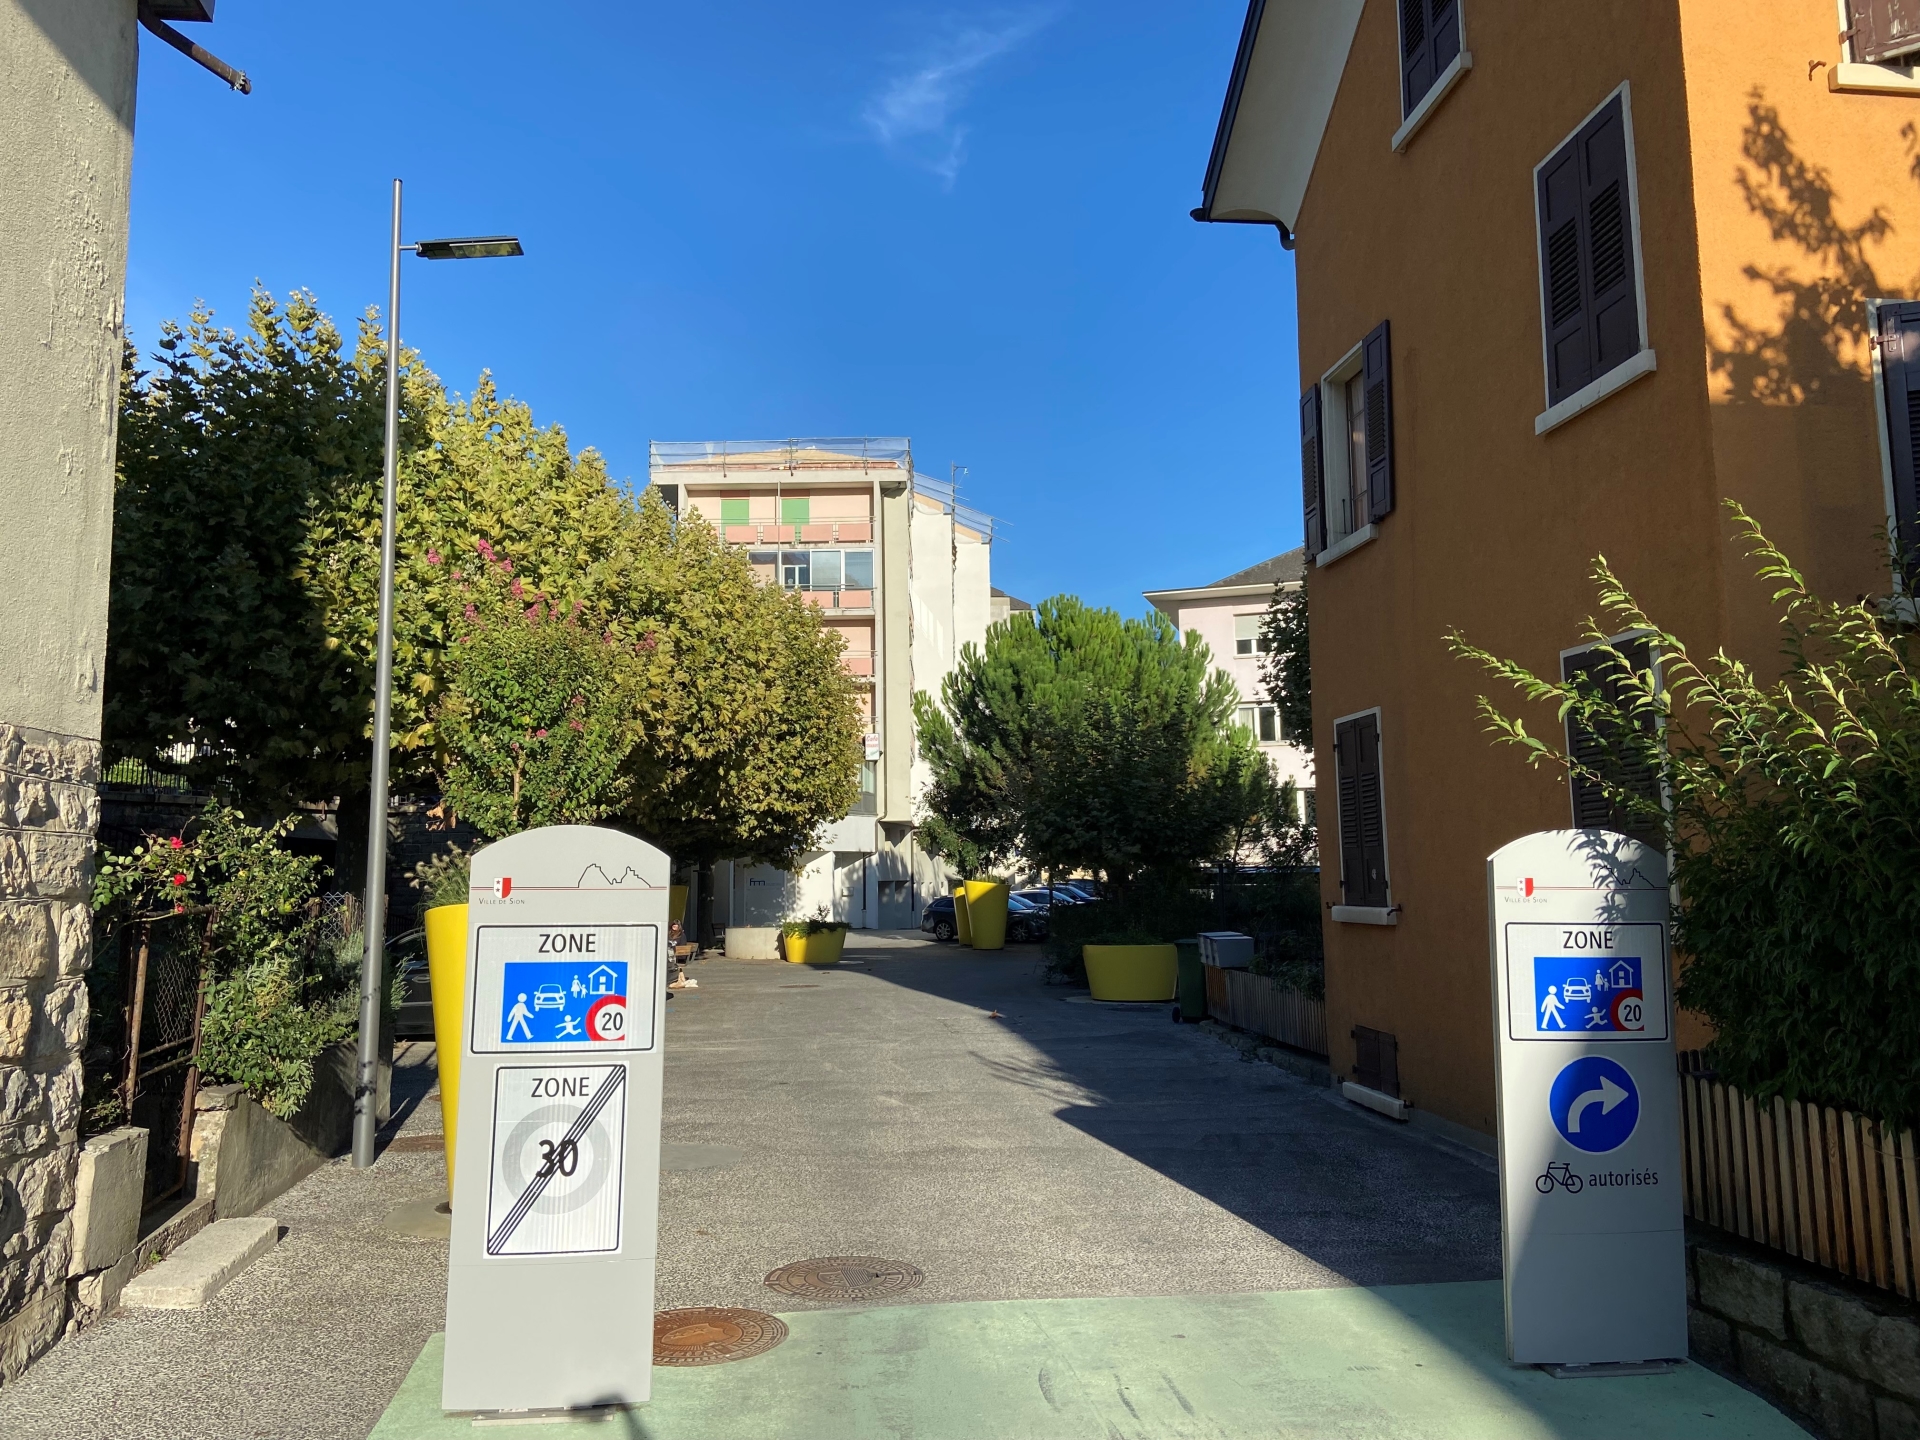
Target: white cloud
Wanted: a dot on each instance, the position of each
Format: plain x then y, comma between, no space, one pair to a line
915,112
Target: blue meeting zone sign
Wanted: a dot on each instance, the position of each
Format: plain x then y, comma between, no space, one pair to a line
550,1002
1588,994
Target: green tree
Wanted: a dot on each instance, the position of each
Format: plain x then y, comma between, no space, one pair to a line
244,599
540,711
1086,742
1792,810
752,741
1286,667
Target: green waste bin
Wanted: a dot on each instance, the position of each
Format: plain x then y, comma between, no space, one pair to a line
1191,990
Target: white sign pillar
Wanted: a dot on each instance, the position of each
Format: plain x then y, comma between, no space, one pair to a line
1590,1207
557,1186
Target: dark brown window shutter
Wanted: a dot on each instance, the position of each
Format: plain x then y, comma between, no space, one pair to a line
1883,29
1900,376
1593,809
1589,292
1377,358
1363,841
1312,479
1429,39
1376,1057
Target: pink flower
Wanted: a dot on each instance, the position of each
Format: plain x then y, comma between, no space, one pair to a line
458,576
506,565
539,734
473,612
179,880
577,726
486,550
175,842
433,556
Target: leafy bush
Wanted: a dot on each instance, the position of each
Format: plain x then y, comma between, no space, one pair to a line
1794,822
801,929
277,996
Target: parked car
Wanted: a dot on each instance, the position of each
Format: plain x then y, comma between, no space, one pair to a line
1026,922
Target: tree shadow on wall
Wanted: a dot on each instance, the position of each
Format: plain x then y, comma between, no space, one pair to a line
1818,340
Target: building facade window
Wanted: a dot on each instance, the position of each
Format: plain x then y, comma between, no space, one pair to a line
1246,635
1429,44
1602,751
1346,444
1896,329
1262,720
1363,826
1592,316
1882,32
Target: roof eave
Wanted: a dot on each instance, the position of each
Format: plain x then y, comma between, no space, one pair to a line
1286,72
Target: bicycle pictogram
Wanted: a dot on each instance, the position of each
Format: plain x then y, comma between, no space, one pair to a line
1559,1172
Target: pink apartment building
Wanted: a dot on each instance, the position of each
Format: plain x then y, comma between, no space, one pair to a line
1226,614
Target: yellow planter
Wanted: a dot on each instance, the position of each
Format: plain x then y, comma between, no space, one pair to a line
822,948
961,921
677,905
447,974
1132,972
987,913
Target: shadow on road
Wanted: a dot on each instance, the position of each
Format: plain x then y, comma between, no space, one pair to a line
1356,1194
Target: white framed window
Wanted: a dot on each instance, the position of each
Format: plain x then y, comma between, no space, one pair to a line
1246,635
1365,895
1879,47
1262,720
1593,302
1433,57
1346,449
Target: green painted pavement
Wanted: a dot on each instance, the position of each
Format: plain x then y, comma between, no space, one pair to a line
1424,1361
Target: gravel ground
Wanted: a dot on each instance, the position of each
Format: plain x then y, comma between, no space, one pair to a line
930,1104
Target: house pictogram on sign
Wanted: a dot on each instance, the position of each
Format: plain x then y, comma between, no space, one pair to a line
602,981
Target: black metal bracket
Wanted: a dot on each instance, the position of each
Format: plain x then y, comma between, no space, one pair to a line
199,55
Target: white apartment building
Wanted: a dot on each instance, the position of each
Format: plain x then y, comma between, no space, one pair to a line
1227,616
902,571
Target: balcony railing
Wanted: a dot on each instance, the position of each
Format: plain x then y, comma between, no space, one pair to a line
835,599
824,532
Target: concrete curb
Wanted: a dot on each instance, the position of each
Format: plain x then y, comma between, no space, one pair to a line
196,1272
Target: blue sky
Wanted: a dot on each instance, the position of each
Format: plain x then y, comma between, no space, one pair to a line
963,224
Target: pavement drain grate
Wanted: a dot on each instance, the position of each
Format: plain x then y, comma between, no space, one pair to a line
713,1335
845,1277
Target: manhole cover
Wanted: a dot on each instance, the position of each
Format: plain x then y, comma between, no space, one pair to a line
845,1277
712,1335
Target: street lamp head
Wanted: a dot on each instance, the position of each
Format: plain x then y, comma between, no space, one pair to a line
480,247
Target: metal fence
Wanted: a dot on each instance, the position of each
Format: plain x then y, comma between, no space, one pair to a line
163,963
1833,1188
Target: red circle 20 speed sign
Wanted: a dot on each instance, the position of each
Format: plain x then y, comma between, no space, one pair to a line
607,1020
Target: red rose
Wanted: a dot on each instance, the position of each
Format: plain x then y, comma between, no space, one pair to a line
179,879
175,842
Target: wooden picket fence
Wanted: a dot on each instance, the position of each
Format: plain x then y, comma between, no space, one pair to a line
1260,1006
1831,1187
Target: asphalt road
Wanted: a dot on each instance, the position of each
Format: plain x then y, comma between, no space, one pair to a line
929,1105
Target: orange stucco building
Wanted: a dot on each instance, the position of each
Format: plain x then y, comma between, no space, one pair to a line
1568,277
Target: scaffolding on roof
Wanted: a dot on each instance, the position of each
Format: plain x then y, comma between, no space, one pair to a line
947,495
796,454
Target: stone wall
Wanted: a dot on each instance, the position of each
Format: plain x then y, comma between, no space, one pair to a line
66,157
1845,1357
48,809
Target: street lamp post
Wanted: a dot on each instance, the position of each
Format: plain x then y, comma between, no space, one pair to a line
366,1107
